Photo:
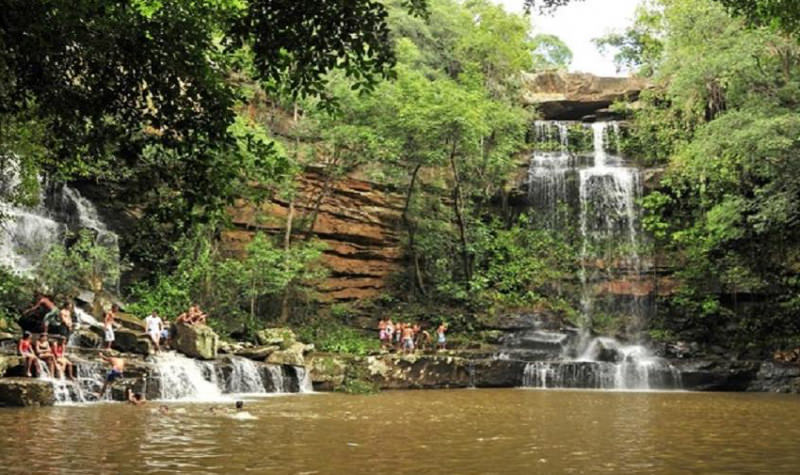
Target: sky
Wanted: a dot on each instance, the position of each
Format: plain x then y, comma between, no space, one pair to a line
578,23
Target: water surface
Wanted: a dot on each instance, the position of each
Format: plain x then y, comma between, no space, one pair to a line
461,431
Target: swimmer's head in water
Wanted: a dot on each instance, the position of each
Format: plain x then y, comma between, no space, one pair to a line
239,404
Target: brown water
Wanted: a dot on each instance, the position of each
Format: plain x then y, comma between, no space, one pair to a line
462,431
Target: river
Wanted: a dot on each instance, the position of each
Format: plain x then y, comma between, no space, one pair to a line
458,431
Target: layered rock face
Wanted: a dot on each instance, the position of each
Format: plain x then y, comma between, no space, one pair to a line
560,95
357,219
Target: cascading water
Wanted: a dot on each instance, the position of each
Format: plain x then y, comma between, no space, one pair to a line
608,216
547,175
245,377
28,232
179,377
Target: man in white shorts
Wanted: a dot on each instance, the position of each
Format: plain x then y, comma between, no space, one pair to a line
154,325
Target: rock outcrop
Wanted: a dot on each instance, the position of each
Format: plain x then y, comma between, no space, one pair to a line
197,341
357,219
26,392
560,95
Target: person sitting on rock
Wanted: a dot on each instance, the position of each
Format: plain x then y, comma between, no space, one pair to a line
63,365
184,319
117,368
108,325
154,325
137,399
166,327
25,348
198,316
45,353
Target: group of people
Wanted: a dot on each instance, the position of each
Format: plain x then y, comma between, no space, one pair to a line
55,320
405,337
45,352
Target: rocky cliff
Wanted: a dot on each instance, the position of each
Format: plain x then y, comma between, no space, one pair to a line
560,95
357,219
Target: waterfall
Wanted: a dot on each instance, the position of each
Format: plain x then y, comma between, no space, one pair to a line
304,380
275,375
28,232
245,377
547,174
610,241
184,378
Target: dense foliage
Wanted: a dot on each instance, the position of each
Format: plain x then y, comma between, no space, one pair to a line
723,118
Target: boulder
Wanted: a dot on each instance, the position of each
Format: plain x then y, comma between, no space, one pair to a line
258,353
129,321
197,341
328,371
293,355
283,337
127,340
88,339
560,95
26,392
8,362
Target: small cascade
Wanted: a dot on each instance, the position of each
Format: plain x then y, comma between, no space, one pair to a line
245,377
304,380
275,376
179,377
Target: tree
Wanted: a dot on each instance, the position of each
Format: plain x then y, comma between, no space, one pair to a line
550,52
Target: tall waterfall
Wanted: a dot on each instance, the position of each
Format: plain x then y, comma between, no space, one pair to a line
28,233
608,224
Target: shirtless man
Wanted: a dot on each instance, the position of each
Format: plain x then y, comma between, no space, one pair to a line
117,367
108,325
25,348
63,365
45,353
50,308
198,316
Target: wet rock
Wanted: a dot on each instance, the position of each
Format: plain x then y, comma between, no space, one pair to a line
26,392
88,338
776,377
197,341
282,337
716,375
293,355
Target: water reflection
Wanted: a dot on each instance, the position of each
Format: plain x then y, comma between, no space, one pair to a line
467,431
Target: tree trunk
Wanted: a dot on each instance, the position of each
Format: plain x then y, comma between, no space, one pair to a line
411,228
462,227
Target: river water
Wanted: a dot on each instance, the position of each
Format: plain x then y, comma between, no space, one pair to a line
459,431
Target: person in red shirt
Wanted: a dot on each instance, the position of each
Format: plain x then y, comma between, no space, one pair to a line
25,348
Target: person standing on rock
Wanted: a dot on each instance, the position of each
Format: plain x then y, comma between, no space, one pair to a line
441,340
65,320
25,348
154,325
117,367
108,324
408,339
